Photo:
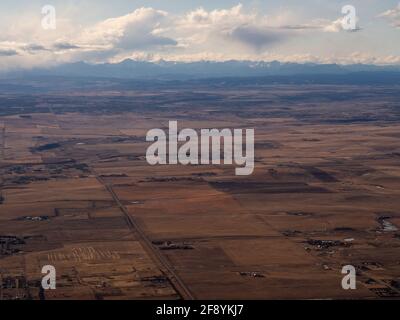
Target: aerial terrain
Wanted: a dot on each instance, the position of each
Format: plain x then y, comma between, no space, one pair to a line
76,191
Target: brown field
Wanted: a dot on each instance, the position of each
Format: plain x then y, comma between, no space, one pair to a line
325,193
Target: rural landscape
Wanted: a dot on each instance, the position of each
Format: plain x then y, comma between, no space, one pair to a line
78,194
198,158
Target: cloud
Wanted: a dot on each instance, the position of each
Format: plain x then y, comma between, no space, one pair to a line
255,37
8,52
149,34
155,31
334,26
227,30
9,48
33,48
393,16
323,25
338,26
12,48
65,46
137,30
301,27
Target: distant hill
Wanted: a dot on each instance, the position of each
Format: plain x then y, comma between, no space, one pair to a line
165,70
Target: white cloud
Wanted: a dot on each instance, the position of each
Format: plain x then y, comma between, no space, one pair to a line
334,26
156,32
151,34
323,25
135,30
392,15
227,30
139,30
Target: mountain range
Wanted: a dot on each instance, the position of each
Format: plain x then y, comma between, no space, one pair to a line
166,70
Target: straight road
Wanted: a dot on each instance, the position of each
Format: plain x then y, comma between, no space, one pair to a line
154,253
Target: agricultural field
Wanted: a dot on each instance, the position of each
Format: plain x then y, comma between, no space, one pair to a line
77,193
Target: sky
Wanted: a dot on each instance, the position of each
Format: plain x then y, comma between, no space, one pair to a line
99,31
